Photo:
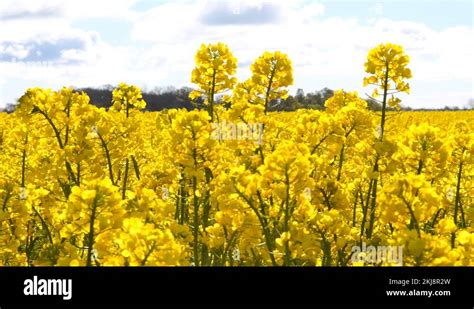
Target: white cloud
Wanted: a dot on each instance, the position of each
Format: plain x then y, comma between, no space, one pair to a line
11,10
326,51
14,50
72,9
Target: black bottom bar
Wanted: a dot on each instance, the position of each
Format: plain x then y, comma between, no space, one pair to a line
431,286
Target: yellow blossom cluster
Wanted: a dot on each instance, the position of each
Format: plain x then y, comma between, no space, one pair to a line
81,185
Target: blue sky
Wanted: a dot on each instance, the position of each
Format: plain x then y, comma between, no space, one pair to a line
152,43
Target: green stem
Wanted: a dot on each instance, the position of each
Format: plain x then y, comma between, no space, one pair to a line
45,226
90,237
373,199
266,228
287,218
136,168
341,160
147,255
125,179
376,165
61,145
107,156
420,167
457,204
365,209
269,88
211,95
354,208
412,214
262,220
195,223
23,162
68,113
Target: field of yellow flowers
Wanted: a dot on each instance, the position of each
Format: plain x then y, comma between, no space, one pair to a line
236,184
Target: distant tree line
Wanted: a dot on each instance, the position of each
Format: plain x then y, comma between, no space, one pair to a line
171,97
157,99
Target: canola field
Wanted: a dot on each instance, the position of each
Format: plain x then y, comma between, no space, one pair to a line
236,184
